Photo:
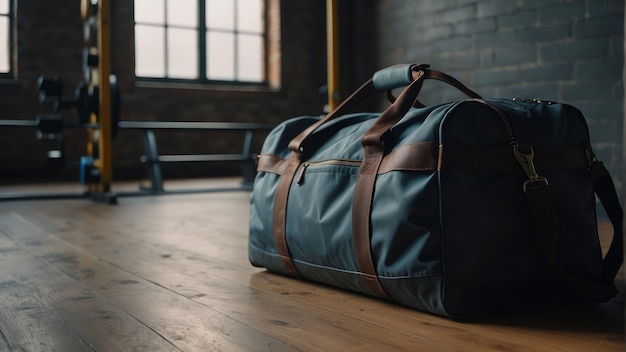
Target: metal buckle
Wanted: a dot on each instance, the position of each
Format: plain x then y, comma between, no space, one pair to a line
526,161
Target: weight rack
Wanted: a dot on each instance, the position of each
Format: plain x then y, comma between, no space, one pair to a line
97,103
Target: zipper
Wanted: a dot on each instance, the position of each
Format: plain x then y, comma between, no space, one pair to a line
536,100
344,162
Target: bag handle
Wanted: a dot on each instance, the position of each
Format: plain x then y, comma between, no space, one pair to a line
383,80
373,154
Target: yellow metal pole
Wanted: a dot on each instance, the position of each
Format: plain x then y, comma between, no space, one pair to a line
104,162
332,34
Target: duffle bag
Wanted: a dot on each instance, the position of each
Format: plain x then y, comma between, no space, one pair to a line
462,209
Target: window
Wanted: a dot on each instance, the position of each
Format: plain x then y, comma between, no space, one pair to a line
5,36
201,40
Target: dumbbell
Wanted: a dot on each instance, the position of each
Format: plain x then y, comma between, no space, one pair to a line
85,99
49,127
50,90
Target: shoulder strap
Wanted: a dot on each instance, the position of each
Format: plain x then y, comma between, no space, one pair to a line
605,190
545,223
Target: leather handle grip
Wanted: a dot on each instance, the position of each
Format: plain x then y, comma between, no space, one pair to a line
385,79
402,75
393,77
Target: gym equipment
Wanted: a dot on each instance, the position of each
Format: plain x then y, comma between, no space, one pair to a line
85,99
96,101
93,100
52,127
153,160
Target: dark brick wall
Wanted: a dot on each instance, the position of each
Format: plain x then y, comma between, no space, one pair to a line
49,41
564,50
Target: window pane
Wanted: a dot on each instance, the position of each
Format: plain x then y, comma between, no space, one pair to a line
182,13
182,53
250,58
149,51
4,7
250,16
150,11
220,14
4,44
220,56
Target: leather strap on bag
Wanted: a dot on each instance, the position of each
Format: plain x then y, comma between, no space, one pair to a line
290,166
388,78
429,156
279,219
373,153
361,222
605,190
545,224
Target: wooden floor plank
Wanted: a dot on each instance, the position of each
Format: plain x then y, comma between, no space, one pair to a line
25,323
186,324
180,245
45,310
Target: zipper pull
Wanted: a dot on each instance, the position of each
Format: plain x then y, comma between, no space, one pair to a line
301,176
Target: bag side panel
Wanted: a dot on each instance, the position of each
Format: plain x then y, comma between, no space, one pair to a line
491,258
577,244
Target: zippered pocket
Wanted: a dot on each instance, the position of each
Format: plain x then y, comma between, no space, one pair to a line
314,164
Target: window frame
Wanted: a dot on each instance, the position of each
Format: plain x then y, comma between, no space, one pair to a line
11,35
203,53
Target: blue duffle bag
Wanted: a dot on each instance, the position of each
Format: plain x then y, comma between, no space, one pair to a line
462,209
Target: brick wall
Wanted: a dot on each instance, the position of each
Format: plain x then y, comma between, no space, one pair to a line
49,41
570,51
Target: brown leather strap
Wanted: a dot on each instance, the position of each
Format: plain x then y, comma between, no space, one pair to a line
440,76
280,212
487,158
367,90
418,156
361,222
373,153
394,113
270,163
428,156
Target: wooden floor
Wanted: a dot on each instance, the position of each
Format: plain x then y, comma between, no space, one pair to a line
171,273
